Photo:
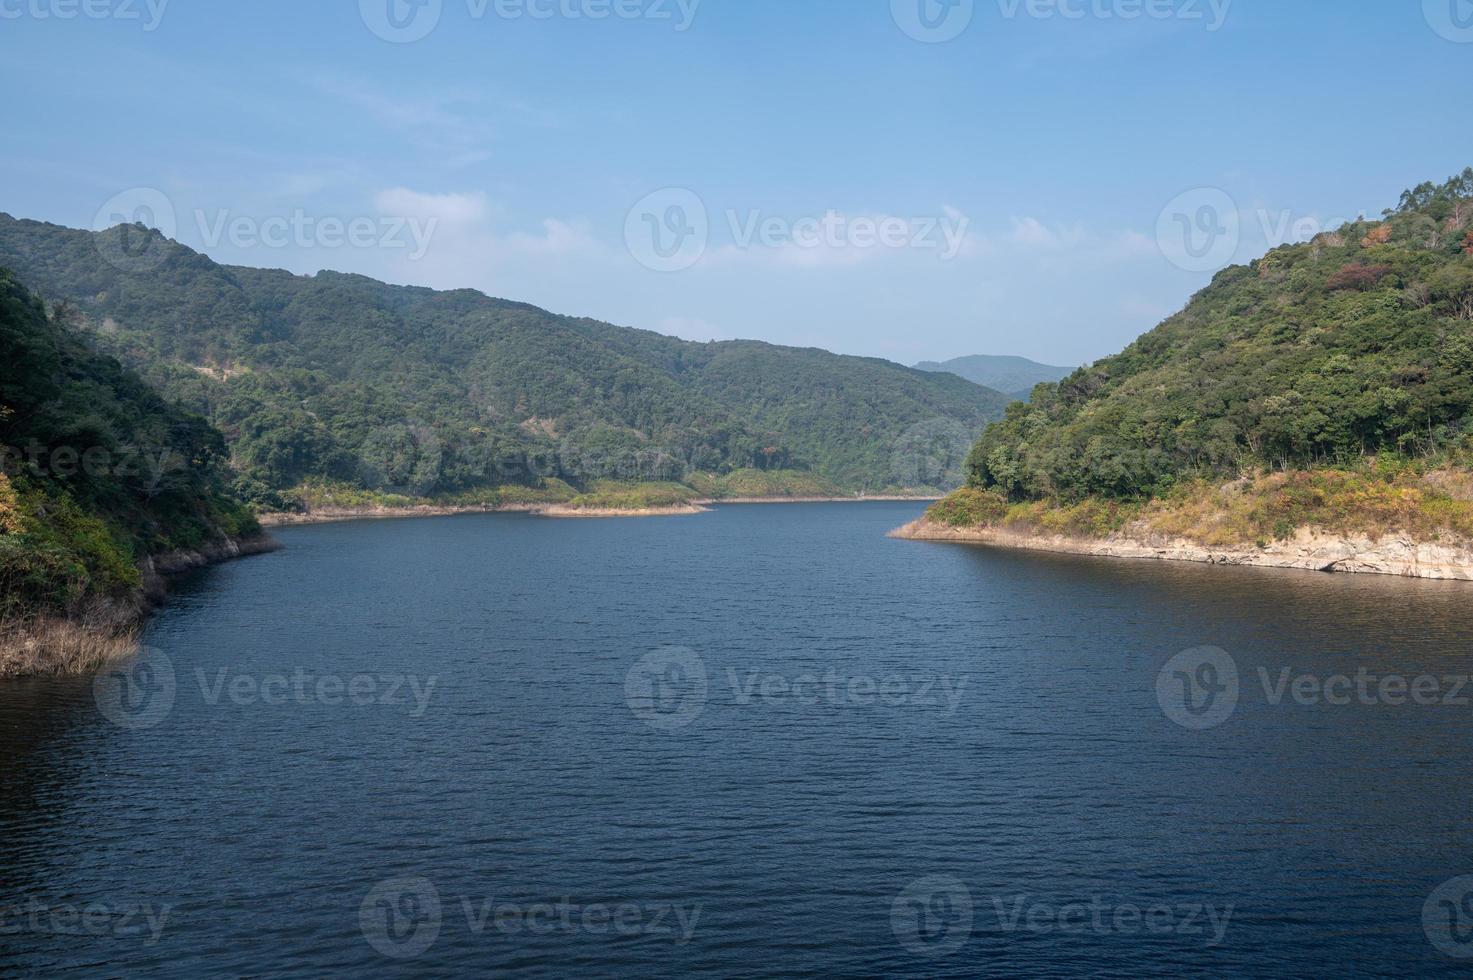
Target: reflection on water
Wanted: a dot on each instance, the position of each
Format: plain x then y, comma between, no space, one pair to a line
654,747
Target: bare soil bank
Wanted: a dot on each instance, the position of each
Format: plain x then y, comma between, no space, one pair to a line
1309,549
329,515
565,511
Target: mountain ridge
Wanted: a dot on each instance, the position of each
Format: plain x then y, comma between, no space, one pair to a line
1017,376
340,377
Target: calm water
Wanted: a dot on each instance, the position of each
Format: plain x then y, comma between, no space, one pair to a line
765,741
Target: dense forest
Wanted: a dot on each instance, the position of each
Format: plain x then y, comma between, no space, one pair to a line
1357,345
99,475
411,391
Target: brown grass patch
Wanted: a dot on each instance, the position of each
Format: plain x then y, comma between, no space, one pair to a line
62,646
1248,512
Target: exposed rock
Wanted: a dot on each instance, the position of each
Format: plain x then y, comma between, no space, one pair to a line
1309,549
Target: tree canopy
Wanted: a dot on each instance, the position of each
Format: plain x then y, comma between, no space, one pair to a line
414,391
1357,343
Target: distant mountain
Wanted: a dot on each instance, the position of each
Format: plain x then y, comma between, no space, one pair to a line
1014,375
412,391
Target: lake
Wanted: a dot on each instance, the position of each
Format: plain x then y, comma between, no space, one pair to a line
764,741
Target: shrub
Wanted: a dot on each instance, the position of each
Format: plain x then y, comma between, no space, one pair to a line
970,507
1360,277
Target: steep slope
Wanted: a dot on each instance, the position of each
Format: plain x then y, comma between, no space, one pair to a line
1017,376
429,393
101,479
1332,380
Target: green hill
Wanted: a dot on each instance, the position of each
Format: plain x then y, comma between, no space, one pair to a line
101,477
1352,353
430,394
1017,376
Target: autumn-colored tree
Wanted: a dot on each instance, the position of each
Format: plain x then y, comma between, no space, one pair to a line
1379,235
1360,277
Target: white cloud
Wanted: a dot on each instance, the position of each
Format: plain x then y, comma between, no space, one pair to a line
1132,244
557,238
1032,233
448,209
836,240
466,221
443,118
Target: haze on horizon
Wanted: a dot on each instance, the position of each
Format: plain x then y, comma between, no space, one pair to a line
718,169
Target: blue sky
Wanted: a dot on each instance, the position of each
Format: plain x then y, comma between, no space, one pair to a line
1026,187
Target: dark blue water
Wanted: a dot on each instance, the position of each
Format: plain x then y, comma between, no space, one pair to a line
767,741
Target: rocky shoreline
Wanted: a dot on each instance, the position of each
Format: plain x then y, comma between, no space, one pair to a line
107,629
332,515
1309,549
575,513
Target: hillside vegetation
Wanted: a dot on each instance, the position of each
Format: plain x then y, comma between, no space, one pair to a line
343,380
100,476
1352,353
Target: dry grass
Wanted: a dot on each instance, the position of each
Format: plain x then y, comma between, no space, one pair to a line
1454,484
62,646
1276,506
1248,512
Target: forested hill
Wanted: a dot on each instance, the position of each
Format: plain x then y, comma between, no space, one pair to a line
1016,375
99,473
1358,344
343,378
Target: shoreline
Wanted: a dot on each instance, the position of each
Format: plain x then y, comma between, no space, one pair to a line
336,515
1308,550
821,500
109,628
566,512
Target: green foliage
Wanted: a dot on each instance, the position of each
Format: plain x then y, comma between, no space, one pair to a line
970,507
1374,501
327,494
99,472
416,393
764,484
1357,344
611,495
